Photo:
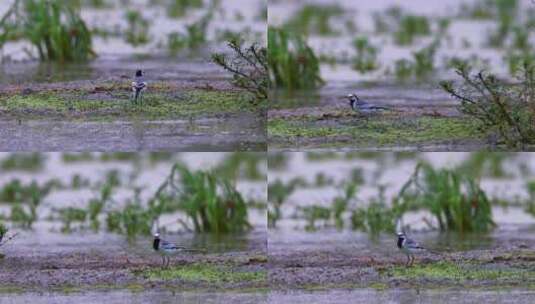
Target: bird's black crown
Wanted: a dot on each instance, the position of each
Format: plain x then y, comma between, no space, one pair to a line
139,73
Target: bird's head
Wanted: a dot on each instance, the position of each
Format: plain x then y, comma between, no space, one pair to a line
352,98
139,73
156,242
401,235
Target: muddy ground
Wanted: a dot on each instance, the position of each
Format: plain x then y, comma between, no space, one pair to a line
72,264
420,118
178,115
382,267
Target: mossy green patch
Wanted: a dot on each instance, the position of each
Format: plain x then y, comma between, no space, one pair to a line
379,286
205,273
192,103
461,272
384,131
68,289
11,289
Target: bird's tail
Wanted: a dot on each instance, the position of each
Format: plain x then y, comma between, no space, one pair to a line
382,108
434,251
192,250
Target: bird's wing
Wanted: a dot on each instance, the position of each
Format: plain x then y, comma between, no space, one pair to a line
168,245
413,244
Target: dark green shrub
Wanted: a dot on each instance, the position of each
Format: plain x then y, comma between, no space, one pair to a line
505,110
249,67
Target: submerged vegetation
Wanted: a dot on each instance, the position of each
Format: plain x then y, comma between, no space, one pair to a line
451,199
292,63
137,32
23,162
200,201
314,19
456,201
53,27
212,204
194,36
366,58
178,8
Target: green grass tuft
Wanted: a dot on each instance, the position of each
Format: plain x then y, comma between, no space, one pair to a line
387,131
156,105
205,273
459,272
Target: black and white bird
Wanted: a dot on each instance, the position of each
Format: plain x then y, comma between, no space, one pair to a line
360,106
167,249
138,87
409,247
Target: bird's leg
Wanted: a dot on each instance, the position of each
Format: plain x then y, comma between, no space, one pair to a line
408,260
168,261
163,261
412,260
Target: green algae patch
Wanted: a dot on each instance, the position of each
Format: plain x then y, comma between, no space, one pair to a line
382,132
11,289
204,273
111,105
379,286
462,272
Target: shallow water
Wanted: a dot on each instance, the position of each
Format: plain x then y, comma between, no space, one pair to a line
392,175
380,86
143,175
113,67
113,297
210,134
112,18
402,296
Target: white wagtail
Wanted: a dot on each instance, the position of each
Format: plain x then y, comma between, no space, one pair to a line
138,87
409,247
166,249
360,106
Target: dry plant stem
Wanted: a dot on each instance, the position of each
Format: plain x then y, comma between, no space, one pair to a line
9,239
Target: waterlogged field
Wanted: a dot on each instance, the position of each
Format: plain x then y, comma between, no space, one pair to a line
392,54
53,91
333,219
80,225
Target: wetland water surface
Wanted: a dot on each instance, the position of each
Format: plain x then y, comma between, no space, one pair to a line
119,297
400,296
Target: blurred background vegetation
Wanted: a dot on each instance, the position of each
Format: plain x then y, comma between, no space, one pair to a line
133,193
377,193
